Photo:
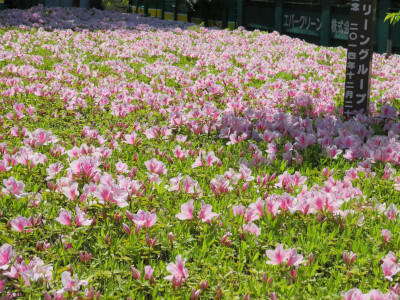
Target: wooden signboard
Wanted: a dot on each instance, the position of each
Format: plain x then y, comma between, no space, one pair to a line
359,57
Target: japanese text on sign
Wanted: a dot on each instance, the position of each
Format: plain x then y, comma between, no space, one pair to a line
359,57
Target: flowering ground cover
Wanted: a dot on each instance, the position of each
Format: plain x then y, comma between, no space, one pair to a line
149,159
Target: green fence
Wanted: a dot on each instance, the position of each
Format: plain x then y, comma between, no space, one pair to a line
322,22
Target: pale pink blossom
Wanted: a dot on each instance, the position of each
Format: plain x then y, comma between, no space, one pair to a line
2,285
238,210
71,191
71,284
389,265
186,211
6,255
111,193
252,229
85,167
144,219
148,272
277,256
294,259
19,224
220,185
53,170
65,217
386,235
13,187
121,167
81,218
156,166
33,271
205,213
179,273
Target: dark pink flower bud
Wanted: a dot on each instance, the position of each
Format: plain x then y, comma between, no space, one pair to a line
311,258
126,229
349,257
396,289
148,273
294,274
218,294
129,215
319,217
220,151
245,186
273,296
176,281
117,217
203,285
195,294
137,229
135,273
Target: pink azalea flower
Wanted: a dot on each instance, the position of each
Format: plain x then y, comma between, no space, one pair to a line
186,211
111,193
35,270
390,267
6,255
220,185
81,218
144,219
178,271
189,185
252,229
121,167
13,187
85,167
333,151
132,139
238,210
5,163
206,214
392,212
294,259
388,111
148,272
349,257
53,170
19,224
135,273
65,217
71,191
277,256
2,285
175,183
355,294
156,166
71,284
180,153
252,214
386,234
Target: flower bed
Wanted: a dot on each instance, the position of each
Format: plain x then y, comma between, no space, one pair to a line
145,159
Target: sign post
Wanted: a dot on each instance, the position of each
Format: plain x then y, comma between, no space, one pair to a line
359,57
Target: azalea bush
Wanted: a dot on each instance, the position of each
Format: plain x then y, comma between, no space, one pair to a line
147,159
